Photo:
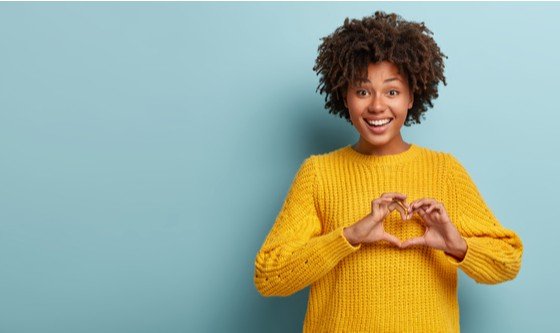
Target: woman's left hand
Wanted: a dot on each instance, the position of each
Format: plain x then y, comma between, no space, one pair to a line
440,232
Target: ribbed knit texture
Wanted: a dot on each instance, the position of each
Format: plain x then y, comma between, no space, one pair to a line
379,287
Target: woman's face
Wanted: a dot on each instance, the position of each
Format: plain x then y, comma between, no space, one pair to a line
385,96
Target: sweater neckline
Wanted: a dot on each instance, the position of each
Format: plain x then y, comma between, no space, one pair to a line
390,159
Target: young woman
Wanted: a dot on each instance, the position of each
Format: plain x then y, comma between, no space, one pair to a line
371,270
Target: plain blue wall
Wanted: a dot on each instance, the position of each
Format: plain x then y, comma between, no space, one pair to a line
146,149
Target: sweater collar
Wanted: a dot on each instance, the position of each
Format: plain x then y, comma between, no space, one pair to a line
391,159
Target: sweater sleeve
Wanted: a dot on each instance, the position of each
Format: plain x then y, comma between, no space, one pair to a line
296,252
493,252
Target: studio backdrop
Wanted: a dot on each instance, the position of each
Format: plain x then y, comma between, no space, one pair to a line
146,149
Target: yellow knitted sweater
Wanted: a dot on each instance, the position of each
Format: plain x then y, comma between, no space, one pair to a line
379,287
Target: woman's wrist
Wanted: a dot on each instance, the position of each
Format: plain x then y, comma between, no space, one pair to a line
458,249
349,235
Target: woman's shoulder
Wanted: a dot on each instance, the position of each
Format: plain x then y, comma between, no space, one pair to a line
329,156
333,153
452,164
434,152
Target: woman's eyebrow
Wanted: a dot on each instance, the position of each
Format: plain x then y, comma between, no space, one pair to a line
387,80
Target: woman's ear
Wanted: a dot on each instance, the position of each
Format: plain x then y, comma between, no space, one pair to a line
411,101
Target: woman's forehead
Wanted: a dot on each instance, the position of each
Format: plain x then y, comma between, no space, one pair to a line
385,72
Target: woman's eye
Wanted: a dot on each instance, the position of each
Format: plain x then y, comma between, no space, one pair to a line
363,92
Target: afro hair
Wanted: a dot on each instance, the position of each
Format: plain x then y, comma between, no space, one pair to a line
345,54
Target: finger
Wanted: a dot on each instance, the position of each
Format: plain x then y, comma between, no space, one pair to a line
398,198
413,242
421,211
434,206
381,204
410,210
402,209
400,203
377,203
392,195
436,212
440,208
420,202
425,217
384,202
410,213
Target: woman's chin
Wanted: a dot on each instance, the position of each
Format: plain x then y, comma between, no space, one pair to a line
377,140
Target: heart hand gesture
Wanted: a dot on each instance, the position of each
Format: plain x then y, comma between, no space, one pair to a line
440,232
370,228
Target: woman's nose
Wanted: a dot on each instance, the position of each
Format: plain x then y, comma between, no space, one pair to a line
376,104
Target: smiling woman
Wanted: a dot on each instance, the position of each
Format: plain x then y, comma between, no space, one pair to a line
369,270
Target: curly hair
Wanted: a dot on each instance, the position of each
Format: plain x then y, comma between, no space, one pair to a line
345,54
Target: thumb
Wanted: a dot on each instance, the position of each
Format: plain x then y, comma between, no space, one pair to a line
413,242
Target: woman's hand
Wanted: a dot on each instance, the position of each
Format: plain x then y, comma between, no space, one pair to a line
370,228
440,232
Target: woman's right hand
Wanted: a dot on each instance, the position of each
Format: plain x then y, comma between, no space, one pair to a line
370,228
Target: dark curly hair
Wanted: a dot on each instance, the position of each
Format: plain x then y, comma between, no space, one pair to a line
345,54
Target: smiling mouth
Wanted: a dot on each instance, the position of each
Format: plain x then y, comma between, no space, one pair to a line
378,126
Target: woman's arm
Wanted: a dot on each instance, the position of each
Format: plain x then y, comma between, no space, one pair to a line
493,253
296,253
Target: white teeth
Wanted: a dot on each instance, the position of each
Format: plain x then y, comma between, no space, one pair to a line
378,122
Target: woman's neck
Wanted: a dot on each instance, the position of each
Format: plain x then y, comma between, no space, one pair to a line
388,149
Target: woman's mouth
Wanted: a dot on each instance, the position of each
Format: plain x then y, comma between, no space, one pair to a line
378,127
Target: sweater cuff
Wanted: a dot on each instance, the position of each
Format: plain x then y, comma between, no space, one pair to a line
339,247
474,256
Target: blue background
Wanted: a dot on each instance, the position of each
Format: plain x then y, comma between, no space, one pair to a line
146,149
